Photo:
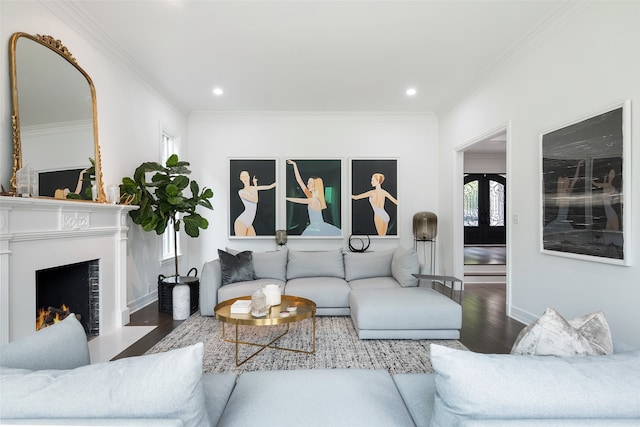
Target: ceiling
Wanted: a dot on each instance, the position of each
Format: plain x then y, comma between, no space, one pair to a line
492,145
306,55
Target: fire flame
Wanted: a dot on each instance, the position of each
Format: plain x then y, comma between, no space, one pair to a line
43,315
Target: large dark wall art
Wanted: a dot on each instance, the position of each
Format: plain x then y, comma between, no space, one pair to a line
586,188
252,197
374,188
313,195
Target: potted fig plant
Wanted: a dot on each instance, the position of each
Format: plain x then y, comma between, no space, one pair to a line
164,201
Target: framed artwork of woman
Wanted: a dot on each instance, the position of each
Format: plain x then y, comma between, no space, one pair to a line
313,197
252,198
374,202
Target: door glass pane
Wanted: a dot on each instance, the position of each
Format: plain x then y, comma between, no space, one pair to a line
471,204
496,204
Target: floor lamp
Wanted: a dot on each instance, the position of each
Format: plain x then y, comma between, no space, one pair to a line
425,229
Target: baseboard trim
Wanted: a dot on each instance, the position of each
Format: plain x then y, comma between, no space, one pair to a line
521,315
143,301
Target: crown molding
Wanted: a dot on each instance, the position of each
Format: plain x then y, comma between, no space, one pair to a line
422,116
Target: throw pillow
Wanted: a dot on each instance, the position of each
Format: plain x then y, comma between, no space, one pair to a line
236,268
368,264
268,265
404,265
49,348
315,264
473,386
595,328
553,335
163,386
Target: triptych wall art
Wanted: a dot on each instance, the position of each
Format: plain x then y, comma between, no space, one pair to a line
309,198
586,187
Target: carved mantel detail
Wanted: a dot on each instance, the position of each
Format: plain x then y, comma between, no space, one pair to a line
75,221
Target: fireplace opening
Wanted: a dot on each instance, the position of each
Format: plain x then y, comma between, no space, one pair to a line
71,288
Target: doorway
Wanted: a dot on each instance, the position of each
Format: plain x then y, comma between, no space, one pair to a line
484,209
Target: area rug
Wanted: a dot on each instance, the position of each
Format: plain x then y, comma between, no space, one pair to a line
337,346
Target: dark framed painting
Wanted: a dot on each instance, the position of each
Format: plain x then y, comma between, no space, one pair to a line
586,187
252,198
313,198
374,192
59,183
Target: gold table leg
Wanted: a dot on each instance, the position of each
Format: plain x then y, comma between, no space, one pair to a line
237,342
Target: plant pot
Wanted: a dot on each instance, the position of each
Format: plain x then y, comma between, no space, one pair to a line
166,285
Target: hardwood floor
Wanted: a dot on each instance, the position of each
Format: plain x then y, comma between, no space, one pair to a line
149,316
485,325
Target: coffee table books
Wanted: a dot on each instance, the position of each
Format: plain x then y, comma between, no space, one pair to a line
241,307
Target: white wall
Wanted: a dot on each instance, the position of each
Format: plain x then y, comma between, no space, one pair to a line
216,138
485,163
583,64
129,117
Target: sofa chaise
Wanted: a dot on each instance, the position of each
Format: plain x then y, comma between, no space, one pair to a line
378,289
45,383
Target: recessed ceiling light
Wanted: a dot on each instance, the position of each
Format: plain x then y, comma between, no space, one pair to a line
218,91
411,91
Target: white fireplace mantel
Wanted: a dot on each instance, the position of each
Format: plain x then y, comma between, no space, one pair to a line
37,233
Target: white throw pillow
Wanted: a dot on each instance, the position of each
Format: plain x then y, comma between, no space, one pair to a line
60,346
553,335
163,386
404,265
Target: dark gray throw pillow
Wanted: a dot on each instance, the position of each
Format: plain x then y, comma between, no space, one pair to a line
236,268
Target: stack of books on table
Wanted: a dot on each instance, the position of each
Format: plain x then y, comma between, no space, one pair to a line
241,306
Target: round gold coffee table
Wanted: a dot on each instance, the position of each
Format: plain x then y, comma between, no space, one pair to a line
305,309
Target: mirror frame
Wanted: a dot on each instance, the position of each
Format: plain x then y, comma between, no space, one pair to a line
57,47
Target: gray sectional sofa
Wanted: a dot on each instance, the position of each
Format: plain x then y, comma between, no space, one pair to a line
45,383
378,289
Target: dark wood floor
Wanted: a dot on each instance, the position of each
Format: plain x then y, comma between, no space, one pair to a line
485,325
485,255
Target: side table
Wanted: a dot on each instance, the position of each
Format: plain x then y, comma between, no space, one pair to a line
443,279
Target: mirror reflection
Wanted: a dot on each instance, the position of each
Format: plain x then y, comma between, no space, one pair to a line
55,105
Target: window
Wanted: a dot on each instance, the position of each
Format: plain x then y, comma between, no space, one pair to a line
170,145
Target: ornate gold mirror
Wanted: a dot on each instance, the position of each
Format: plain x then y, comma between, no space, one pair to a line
55,121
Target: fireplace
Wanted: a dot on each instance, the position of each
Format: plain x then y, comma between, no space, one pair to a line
74,288
41,235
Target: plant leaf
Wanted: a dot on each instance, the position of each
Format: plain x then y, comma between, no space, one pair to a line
195,188
172,190
175,201
172,160
181,182
207,193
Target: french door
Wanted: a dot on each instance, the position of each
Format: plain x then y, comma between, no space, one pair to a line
484,209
